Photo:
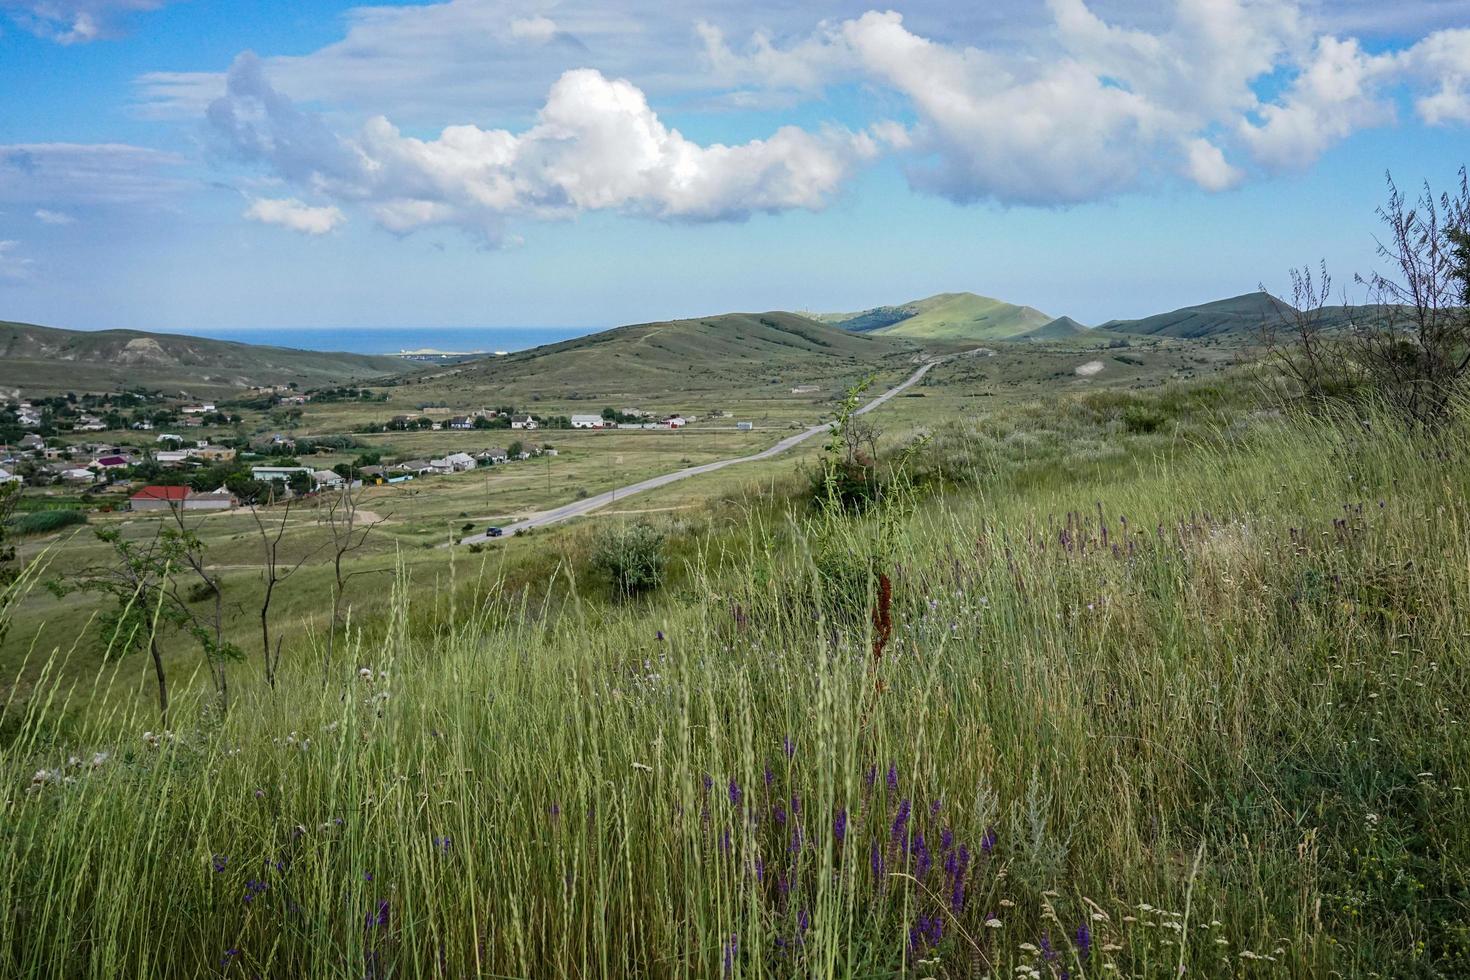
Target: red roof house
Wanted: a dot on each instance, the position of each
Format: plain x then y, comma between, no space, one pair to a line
158,498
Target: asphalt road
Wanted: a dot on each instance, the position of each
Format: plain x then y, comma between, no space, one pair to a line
579,507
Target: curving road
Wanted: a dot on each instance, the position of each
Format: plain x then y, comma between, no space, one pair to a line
579,507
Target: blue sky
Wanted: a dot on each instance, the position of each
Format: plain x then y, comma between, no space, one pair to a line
199,165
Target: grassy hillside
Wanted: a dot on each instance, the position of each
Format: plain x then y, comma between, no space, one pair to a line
947,316
1182,699
1062,328
716,353
44,359
1244,315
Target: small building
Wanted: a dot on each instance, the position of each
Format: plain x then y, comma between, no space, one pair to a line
215,454
118,461
461,461
461,422
806,389
588,422
217,500
744,426
493,455
327,479
170,457
31,441
202,408
168,437
522,422
78,475
158,498
417,467
675,422
374,474
90,423
265,474
8,477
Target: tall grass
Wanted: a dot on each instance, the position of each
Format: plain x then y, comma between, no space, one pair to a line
1206,715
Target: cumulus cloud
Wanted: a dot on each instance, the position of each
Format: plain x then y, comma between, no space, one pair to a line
13,266
295,214
74,21
596,145
48,217
536,28
1091,107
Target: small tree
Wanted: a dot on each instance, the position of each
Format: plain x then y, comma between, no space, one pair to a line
349,533
1417,353
632,556
1301,344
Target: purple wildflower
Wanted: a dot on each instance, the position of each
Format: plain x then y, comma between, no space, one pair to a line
380,917
901,822
778,814
760,870
658,635
770,776
875,861
893,777
839,826
936,928
1084,940
987,843
922,860
734,791
254,887
367,876
788,746
708,782
1047,953
946,839
957,895
219,861
230,956
934,808
731,949
554,810
725,841
795,840
445,843
795,804
870,777
803,920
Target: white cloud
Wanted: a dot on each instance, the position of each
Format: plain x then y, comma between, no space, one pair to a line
48,217
595,145
538,28
296,215
1338,92
51,174
14,267
1443,60
74,21
1206,166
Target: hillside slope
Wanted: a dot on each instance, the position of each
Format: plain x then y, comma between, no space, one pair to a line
1062,328
40,359
1244,315
946,316
732,350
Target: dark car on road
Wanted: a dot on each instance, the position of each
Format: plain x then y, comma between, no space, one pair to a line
494,532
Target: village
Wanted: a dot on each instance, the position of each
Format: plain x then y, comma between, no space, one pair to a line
151,468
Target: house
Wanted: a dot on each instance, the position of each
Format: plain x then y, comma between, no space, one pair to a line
588,422
158,498
31,441
327,479
744,426
373,474
203,408
27,418
416,466
170,457
215,454
168,437
90,423
265,474
806,389
78,475
461,461
522,422
494,454
119,461
143,425
8,477
675,422
220,499
461,422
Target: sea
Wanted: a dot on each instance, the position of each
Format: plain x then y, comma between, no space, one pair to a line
393,340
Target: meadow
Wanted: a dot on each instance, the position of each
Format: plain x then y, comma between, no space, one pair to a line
1114,683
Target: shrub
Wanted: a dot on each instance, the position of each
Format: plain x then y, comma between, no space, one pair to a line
47,521
1141,419
632,556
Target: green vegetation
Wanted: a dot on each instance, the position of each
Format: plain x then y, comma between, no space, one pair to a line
947,316
632,557
1147,711
48,521
50,359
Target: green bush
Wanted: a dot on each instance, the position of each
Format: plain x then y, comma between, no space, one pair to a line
47,521
632,556
1141,419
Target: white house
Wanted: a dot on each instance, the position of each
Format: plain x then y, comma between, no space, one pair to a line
200,409
494,454
461,461
78,475
267,473
588,422
522,422
676,422
326,479
8,477
91,423
171,457
461,422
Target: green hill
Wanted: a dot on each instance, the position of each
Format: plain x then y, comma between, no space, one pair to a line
41,359
729,351
1245,315
1062,328
947,316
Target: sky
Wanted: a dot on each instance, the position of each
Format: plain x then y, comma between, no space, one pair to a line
198,165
